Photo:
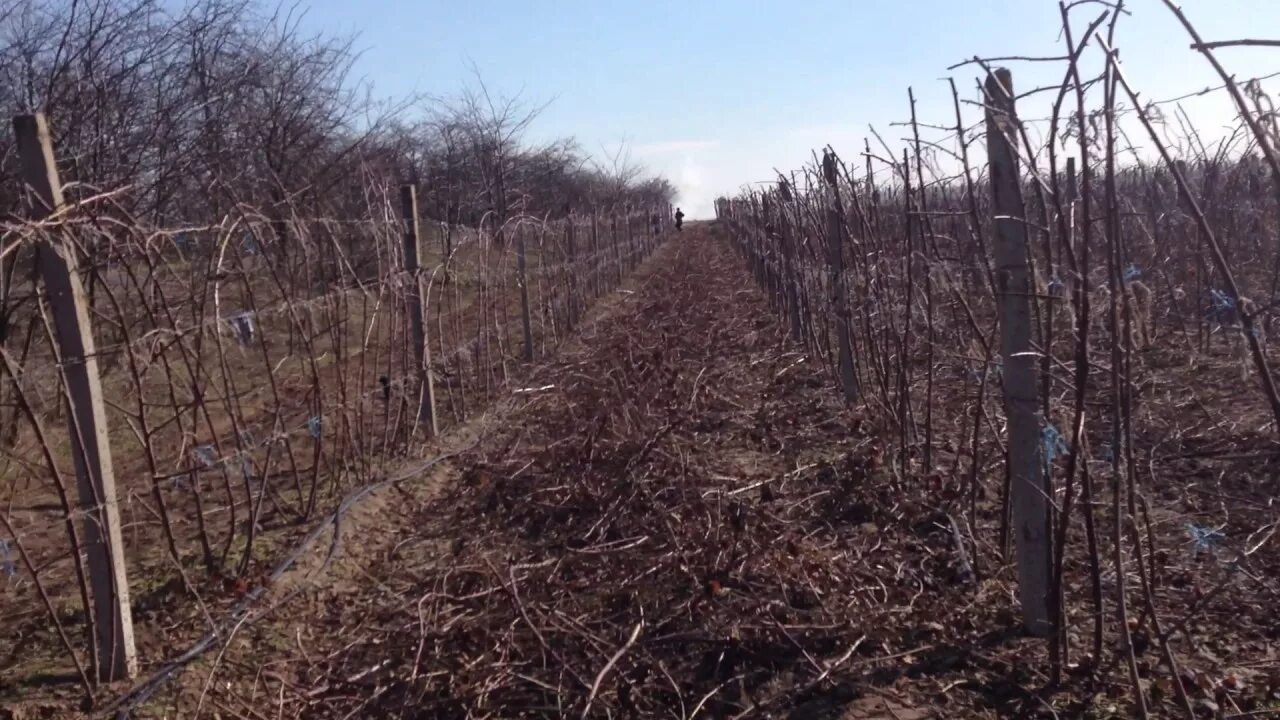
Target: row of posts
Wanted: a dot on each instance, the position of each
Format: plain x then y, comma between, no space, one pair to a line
112,643
1029,486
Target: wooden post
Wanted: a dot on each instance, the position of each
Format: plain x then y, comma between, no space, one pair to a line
775,272
770,251
631,242
572,248
835,261
87,417
596,262
752,239
753,242
617,248
1027,489
413,250
522,277
789,268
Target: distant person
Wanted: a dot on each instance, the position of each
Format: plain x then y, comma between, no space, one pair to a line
679,219
655,221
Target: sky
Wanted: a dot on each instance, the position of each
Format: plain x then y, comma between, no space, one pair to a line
715,94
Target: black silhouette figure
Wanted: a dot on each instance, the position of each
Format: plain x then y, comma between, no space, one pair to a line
679,219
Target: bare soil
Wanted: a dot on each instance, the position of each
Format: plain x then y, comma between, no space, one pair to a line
676,516
679,475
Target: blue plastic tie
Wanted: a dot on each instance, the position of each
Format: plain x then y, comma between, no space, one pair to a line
314,425
1204,539
1221,302
995,368
243,324
7,566
1052,443
1132,273
204,455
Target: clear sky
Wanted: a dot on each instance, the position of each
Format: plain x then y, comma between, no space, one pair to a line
715,93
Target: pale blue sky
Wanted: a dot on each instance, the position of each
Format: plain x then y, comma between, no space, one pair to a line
714,93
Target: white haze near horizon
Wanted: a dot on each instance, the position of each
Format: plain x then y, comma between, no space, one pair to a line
703,169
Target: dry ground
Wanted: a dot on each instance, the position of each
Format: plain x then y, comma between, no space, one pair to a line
678,488
675,517
33,663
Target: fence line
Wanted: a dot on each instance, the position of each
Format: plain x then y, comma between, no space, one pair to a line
1105,275
252,389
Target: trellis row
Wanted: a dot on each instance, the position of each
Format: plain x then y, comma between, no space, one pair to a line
245,384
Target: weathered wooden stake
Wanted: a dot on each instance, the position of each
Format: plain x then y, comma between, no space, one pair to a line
835,260
522,276
597,264
789,263
1013,284
413,251
87,417
617,248
631,242
572,247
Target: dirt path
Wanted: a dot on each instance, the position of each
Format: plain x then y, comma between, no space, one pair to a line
674,517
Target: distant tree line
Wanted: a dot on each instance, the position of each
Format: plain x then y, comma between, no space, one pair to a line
224,104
